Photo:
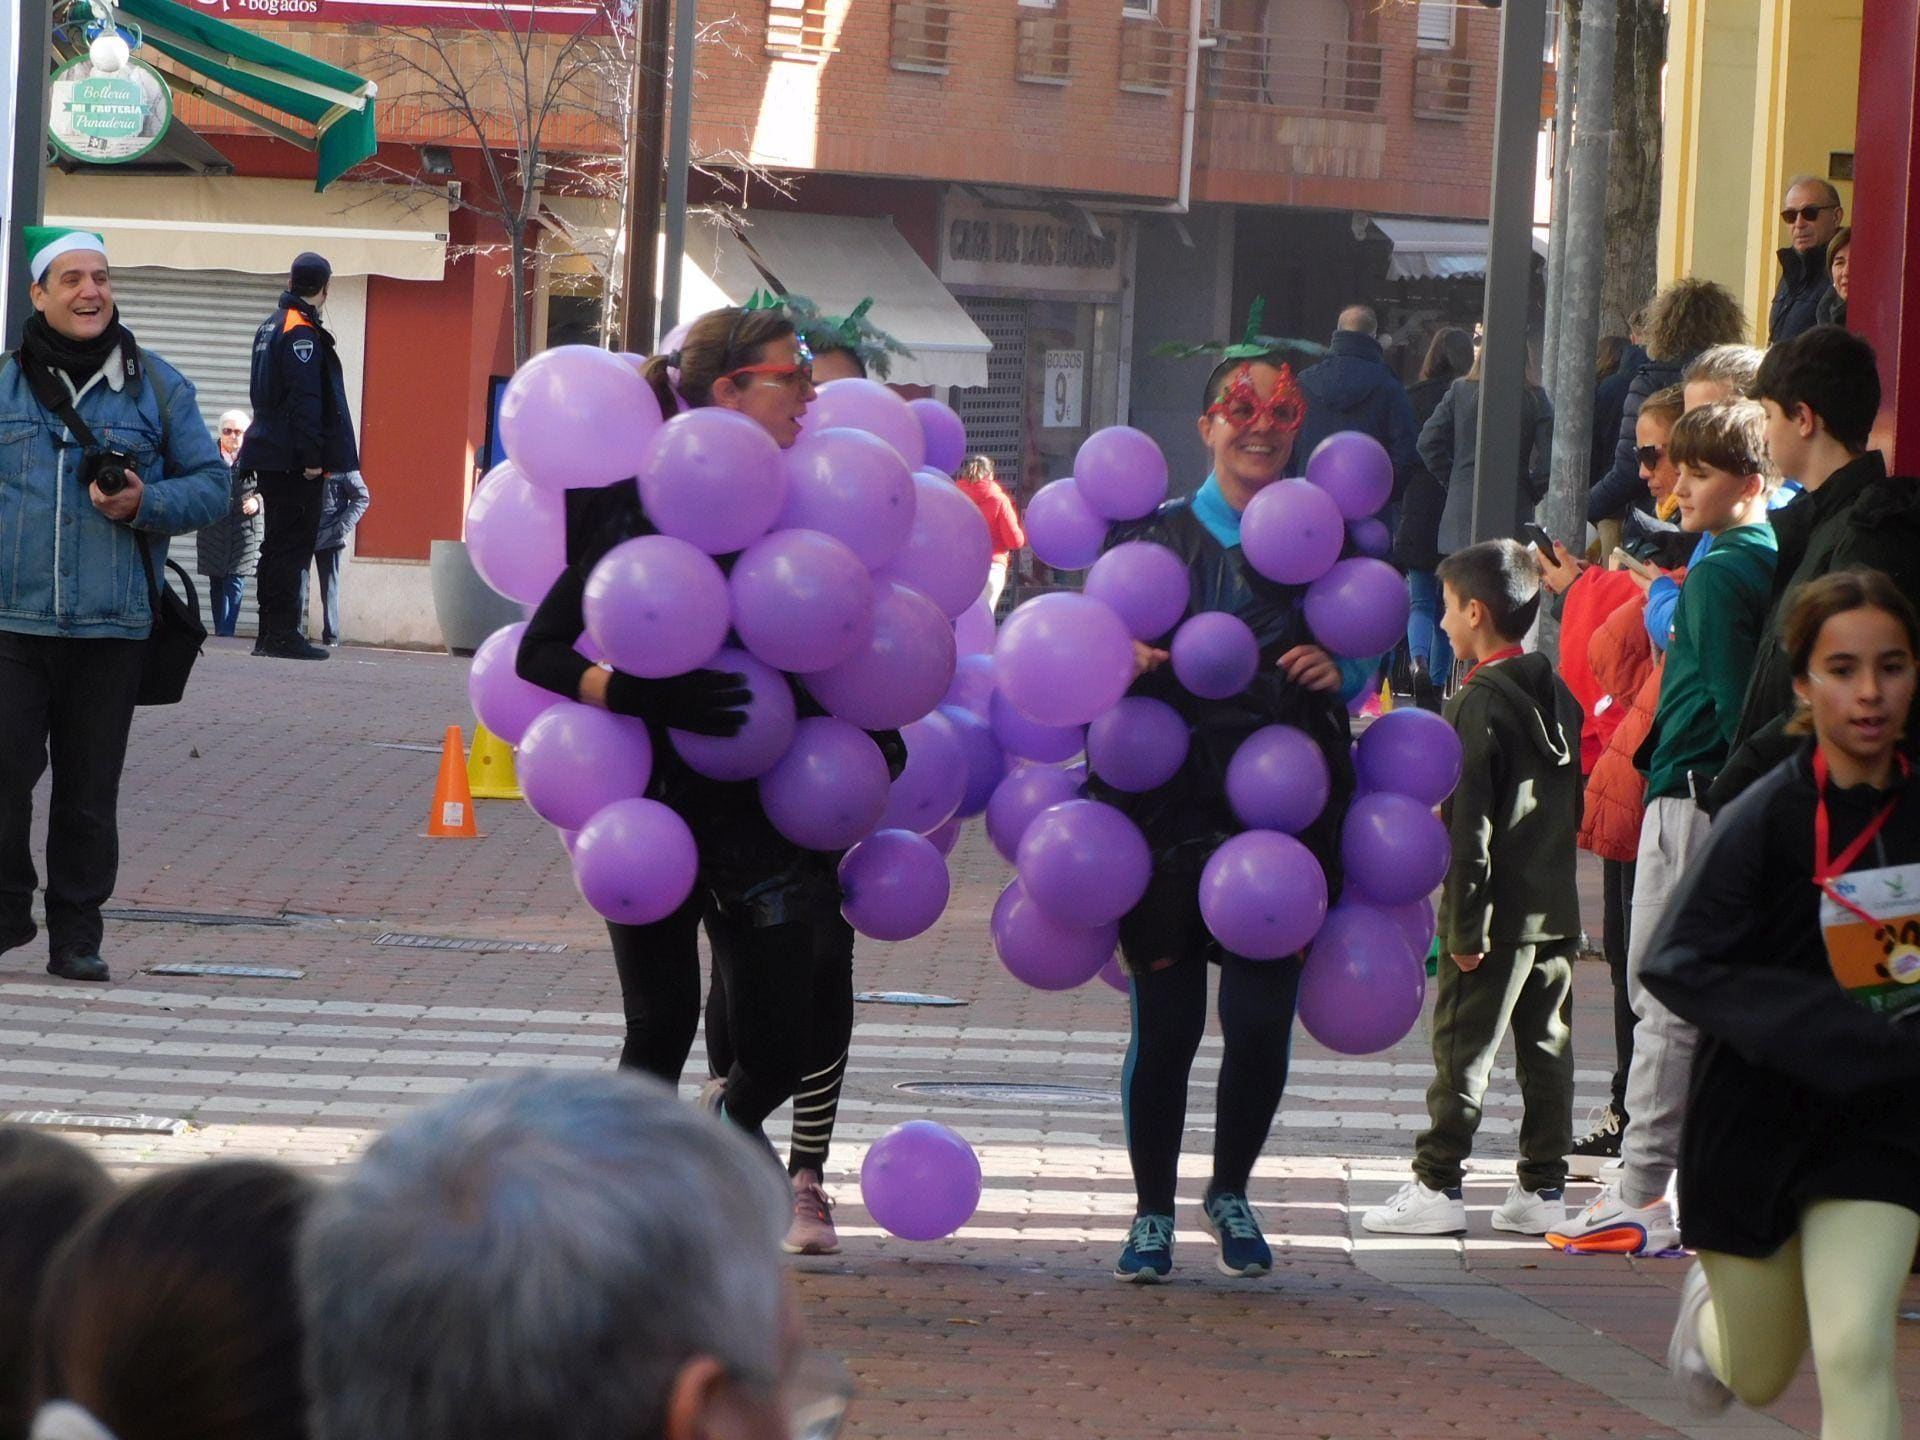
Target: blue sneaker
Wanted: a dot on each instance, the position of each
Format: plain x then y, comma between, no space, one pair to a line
1148,1257
1231,1221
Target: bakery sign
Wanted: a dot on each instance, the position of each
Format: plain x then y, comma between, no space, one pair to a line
989,246
563,16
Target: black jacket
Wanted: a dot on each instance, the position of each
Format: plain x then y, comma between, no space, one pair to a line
300,416
1353,389
1799,1092
1609,405
1804,282
231,545
1187,819
1622,488
1416,544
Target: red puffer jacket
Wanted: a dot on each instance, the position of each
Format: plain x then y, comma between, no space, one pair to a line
1627,666
1596,595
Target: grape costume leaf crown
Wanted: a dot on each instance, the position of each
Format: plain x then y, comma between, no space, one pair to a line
874,347
1251,345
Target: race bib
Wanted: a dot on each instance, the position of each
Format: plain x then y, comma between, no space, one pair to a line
1877,962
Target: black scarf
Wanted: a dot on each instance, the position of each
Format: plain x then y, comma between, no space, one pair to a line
46,355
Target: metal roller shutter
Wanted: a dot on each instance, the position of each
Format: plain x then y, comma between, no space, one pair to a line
996,415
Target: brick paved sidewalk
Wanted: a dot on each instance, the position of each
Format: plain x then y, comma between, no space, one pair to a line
291,798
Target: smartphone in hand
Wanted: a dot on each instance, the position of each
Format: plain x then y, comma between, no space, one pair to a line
1538,538
1623,561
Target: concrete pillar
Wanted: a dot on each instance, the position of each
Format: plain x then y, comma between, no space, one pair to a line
1706,184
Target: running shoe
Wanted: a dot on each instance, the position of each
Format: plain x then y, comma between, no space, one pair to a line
1531,1212
1243,1249
811,1232
1416,1210
1148,1257
1610,1226
1702,1391
1598,1145
713,1096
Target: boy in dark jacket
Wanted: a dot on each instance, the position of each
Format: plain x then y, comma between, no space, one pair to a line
1509,912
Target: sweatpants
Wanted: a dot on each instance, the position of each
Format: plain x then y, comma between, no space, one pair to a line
1671,835
1527,989
1836,1285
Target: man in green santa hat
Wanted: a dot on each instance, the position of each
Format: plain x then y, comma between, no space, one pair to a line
101,446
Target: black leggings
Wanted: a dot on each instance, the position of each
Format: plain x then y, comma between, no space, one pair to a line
659,967
1616,886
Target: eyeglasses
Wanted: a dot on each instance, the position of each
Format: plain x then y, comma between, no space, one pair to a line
797,376
1805,212
1651,455
1240,404
231,430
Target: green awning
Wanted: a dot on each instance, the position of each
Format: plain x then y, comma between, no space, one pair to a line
333,108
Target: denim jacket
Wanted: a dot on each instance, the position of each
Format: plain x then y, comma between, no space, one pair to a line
66,569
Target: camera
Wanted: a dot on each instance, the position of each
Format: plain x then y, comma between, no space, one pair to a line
107,469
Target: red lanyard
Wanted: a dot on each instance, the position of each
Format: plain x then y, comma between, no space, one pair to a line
1494,659
1827,868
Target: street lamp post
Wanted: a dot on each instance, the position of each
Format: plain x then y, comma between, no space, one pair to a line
25,44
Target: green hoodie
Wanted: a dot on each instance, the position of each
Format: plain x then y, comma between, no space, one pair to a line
1515,812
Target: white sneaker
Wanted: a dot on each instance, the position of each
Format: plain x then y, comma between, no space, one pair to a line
1610,1226
1703,1392
1531,1212
1416,1210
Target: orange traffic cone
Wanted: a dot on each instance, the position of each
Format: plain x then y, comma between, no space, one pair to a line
452,813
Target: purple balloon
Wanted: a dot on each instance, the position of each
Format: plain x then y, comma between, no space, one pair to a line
505,703
1019,800
1138,745
1114,976
920,1181
1263,895
1292,532
1371,537
1394,848
985,761
894,885
1020,736
1415,921
947,551
1121,473
972,687
946,837
1146,584
973,632
516,535
577,417
902,670
1084,863
852,486
943,432
869,406
830,788
1410,752
713,478
635,861
576,759
1278,780
1061,530
1062,659
1358,608
1215,655
758,746
934,781
801,600
657,606
1040,951
1355,470
1362,987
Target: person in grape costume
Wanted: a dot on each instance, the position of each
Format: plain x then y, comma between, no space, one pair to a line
844,347
1252,408
781,1015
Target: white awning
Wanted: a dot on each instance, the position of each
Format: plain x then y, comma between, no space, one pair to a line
1440,249
224,222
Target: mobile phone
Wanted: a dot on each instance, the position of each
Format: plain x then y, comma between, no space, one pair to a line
1624,561
1539,539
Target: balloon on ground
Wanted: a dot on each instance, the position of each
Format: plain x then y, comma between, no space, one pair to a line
920,1181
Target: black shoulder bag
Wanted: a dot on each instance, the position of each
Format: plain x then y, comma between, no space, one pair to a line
178,633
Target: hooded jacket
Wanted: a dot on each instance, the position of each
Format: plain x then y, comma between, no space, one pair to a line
1804,283
1513,816
1353,389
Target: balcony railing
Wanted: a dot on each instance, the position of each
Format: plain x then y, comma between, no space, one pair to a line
1149,57
1338,75
1444,86
1042,47
797,29
922,36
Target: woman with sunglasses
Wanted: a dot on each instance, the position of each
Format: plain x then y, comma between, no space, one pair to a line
783,956
1253,409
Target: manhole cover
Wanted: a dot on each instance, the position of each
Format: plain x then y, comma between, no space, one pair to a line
194,917
237,972
1010,1092
454,942
99,1124
904,997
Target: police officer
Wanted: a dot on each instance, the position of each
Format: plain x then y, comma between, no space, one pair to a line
301,432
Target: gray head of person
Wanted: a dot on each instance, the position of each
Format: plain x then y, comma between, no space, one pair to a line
551,1257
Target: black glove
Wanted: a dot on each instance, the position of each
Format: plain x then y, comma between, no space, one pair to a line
701,702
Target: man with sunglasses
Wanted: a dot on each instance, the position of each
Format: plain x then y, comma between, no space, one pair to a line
1812,214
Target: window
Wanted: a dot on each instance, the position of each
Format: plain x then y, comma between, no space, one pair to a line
797,29
1436,24
1042,47
1140,9
922,36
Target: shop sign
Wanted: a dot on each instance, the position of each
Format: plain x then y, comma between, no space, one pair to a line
521,15
108,114
1027,250
1066,373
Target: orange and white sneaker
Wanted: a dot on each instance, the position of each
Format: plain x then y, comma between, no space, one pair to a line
1610,1226
811,1232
